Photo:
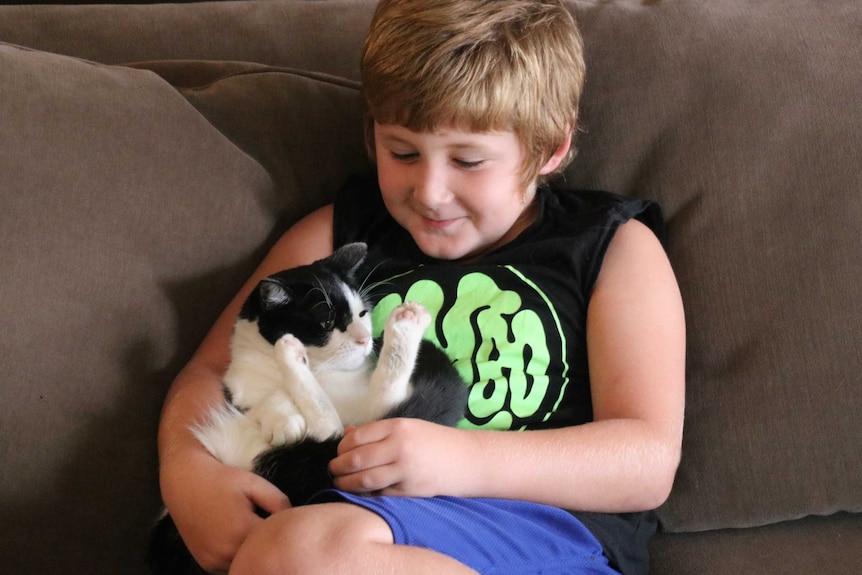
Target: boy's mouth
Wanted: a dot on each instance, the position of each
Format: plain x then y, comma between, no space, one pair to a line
437,223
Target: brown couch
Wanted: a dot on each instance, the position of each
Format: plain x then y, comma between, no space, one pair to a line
150,154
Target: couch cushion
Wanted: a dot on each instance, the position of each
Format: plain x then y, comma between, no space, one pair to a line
128,221
305,128
812,545
743,119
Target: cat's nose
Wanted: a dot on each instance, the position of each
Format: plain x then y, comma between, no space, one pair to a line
360,334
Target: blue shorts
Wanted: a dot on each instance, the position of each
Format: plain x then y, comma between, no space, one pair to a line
491,536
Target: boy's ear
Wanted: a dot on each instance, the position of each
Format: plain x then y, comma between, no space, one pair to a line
557,157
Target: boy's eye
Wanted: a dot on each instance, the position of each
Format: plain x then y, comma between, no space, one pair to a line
404,157
468,164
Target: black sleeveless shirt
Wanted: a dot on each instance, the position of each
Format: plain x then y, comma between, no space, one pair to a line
514,321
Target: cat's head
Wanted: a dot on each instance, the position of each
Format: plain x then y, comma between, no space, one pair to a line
321,305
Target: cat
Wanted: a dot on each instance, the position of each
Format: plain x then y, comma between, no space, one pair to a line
302,367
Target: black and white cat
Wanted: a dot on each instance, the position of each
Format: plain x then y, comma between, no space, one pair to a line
302,367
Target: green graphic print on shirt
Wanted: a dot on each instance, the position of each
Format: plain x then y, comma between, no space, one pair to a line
502,334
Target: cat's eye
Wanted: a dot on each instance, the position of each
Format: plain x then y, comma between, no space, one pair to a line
363,313
329,322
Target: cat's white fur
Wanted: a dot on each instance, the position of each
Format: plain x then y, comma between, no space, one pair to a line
289,392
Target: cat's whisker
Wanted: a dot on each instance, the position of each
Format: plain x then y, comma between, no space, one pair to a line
366,291
362,289
322,289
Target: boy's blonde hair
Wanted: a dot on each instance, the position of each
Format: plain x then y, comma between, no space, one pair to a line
476,65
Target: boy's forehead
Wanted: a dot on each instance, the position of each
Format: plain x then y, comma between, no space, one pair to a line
454,135
451,111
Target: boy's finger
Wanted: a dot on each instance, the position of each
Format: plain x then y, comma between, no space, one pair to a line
364,434
267,496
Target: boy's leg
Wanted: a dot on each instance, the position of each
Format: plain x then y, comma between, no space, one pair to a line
334,538
490,536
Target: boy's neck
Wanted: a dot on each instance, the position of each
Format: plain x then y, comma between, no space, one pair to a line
525,220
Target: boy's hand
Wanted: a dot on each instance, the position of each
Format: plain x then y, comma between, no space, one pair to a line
213,507
407,457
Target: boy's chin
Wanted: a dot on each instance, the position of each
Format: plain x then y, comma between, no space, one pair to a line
451,249
444,249
461,241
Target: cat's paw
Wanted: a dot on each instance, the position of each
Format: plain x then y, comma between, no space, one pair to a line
284,430
290,351
280,425
324,427
409,317
402,335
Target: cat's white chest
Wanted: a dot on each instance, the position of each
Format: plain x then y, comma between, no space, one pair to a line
348,391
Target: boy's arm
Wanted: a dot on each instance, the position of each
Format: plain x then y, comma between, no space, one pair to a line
624,461
213,504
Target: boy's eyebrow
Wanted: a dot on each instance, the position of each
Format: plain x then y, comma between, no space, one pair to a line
393,138
458,146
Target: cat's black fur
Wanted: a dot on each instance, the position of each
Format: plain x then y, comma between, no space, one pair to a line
315,308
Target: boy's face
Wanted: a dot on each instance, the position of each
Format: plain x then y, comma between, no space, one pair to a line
459,194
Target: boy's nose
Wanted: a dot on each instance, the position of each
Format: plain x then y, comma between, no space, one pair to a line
431,187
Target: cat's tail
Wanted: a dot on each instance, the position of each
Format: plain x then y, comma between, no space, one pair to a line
167,554
300,470
231,437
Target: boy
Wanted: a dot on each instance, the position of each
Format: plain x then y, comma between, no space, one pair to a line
559,308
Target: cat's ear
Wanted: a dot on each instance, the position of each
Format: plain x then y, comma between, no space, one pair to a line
272,293
348,258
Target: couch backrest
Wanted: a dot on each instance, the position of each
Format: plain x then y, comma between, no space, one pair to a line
294,33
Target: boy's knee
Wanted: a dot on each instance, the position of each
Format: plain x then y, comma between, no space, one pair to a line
254,554
285,543
308,540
